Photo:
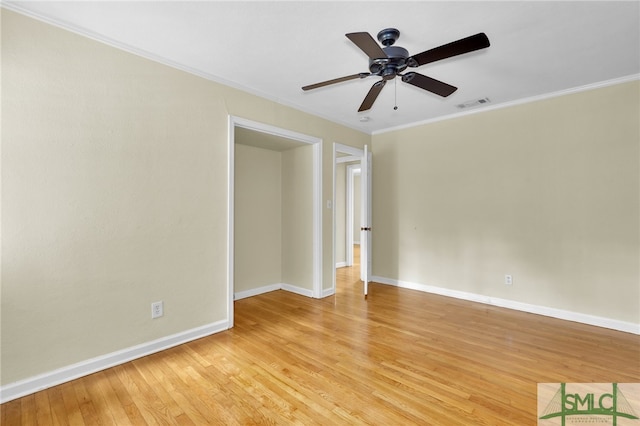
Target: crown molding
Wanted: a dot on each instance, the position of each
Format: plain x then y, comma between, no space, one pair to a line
9,5
12,6
493,107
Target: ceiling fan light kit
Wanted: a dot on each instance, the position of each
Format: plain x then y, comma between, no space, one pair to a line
390,61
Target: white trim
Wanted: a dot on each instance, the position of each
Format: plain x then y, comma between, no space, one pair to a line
365,219
328,292
333,219
317,218
348,225
46,380
298,290
230,218
493,107
159,59
346,149
355,154
273,130
613,324
257,291
317,201
347,159
273,287
9,5
352,171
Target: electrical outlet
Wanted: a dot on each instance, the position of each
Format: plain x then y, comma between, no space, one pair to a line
508,280
157,309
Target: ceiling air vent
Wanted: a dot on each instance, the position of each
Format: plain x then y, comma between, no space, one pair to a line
473,104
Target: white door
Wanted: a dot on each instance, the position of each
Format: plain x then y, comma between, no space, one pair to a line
365,212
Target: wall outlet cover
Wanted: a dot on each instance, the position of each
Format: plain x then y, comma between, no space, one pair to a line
157,309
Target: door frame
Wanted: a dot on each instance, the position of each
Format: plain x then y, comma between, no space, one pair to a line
366,213
233,122
352,171
353,154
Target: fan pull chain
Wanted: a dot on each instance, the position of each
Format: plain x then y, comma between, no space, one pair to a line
395,98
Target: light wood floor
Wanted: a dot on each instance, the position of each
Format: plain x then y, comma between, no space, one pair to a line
400,357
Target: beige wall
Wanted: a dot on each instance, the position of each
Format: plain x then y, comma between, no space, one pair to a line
114,195
257,218
545,191
273,217
297,217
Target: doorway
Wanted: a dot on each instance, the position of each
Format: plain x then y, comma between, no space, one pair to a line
348,220
271,138
353,212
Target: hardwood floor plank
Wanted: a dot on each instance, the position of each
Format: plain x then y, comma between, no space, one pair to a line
102,402
124,397
11,411
43,409
179,393
152,375
299,389
58,409
398,357
207,399
89,412
71,406
27,411
151,409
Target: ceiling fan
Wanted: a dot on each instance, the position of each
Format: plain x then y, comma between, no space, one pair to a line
390,61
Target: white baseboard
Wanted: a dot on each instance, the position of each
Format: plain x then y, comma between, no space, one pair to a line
256,291
273,287
297,290
49,379
328,292
627,327
341,264
37,383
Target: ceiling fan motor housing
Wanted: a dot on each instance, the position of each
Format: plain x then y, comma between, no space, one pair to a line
395,62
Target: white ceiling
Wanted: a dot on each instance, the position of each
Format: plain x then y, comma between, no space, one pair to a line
272,49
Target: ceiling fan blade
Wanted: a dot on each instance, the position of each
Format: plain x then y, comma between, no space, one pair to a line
372,95
336,80
428,83
367,44
458,47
